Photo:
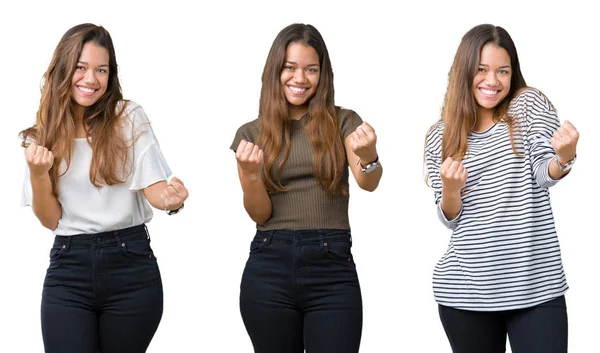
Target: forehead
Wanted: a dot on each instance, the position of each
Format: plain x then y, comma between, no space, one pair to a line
492,54
298,51
92,53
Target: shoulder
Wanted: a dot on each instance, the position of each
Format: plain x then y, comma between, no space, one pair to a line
250,127
433,139
132,111
344,114
531,98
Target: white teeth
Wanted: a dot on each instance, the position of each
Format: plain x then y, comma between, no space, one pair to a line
86,90
488,91
297,89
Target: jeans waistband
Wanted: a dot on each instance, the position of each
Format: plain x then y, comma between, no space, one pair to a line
304,236
138,232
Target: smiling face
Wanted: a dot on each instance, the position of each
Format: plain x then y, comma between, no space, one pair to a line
90,79
300,74
492,81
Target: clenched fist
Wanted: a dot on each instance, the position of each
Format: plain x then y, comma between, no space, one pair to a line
249,157
362,143
454,175
564,141
174,194
39,159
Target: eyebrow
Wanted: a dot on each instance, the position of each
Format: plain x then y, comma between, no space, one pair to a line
294,63
83,62
501,67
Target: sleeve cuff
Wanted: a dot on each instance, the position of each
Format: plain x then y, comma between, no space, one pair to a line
452,223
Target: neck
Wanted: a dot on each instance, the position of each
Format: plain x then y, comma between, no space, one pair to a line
297,111
485,119
78,113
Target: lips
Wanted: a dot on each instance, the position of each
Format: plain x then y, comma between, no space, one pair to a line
87,91
489,92
297,90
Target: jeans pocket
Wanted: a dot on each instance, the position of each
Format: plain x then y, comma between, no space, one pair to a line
138,249
56,251
339,250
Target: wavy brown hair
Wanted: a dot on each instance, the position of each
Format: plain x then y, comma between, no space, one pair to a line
55,122
329,159
459,112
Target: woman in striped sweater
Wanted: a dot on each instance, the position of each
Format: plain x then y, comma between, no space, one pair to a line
490,161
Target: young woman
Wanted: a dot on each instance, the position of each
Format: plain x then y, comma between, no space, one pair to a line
300,289
93,166
490,160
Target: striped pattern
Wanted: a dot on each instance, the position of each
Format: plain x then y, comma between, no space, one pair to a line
305,204
504,252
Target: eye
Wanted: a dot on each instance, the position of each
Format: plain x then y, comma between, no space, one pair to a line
102,71
481,69
80,67
503,72
311,69
288,67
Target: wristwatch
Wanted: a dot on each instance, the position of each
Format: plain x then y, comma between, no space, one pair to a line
369,167
172,212
567,165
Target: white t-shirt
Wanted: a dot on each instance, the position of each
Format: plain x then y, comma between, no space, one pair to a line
87,209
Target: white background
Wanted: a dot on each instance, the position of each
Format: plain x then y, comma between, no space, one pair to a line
196,71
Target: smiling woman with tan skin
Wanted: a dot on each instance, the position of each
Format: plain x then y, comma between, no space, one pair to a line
490,161
94,164
300,288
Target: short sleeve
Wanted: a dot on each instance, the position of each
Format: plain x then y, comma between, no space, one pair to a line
26,193
540,120
349,121
248,132
149,164
433,162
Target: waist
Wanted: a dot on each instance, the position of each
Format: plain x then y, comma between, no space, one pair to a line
138,232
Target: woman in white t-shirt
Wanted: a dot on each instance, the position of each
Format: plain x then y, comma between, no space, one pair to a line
94,164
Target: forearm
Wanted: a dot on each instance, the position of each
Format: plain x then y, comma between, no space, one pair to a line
44,204
369,181
451,204
256,199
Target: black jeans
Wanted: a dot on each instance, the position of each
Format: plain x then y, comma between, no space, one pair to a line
539,329
102,293
300,290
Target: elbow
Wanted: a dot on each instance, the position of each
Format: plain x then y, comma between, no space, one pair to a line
369,186
261,220
50,224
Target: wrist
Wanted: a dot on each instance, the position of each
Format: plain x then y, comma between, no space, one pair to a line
367,158
565,159
450,194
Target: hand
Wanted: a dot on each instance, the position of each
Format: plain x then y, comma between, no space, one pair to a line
249,157
39,159
174,194
564,141
362,143
454,175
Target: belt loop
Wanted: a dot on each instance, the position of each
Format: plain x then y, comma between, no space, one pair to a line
68,243
118,240
147,232
321,239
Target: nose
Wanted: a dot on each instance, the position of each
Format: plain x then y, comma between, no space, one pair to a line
491,79
90,76
299,76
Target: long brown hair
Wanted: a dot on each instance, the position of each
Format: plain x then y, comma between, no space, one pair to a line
322,126
459,112
55,124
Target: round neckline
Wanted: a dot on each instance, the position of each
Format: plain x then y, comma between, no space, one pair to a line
485,133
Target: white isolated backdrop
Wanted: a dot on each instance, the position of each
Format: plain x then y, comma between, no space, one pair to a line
195,67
